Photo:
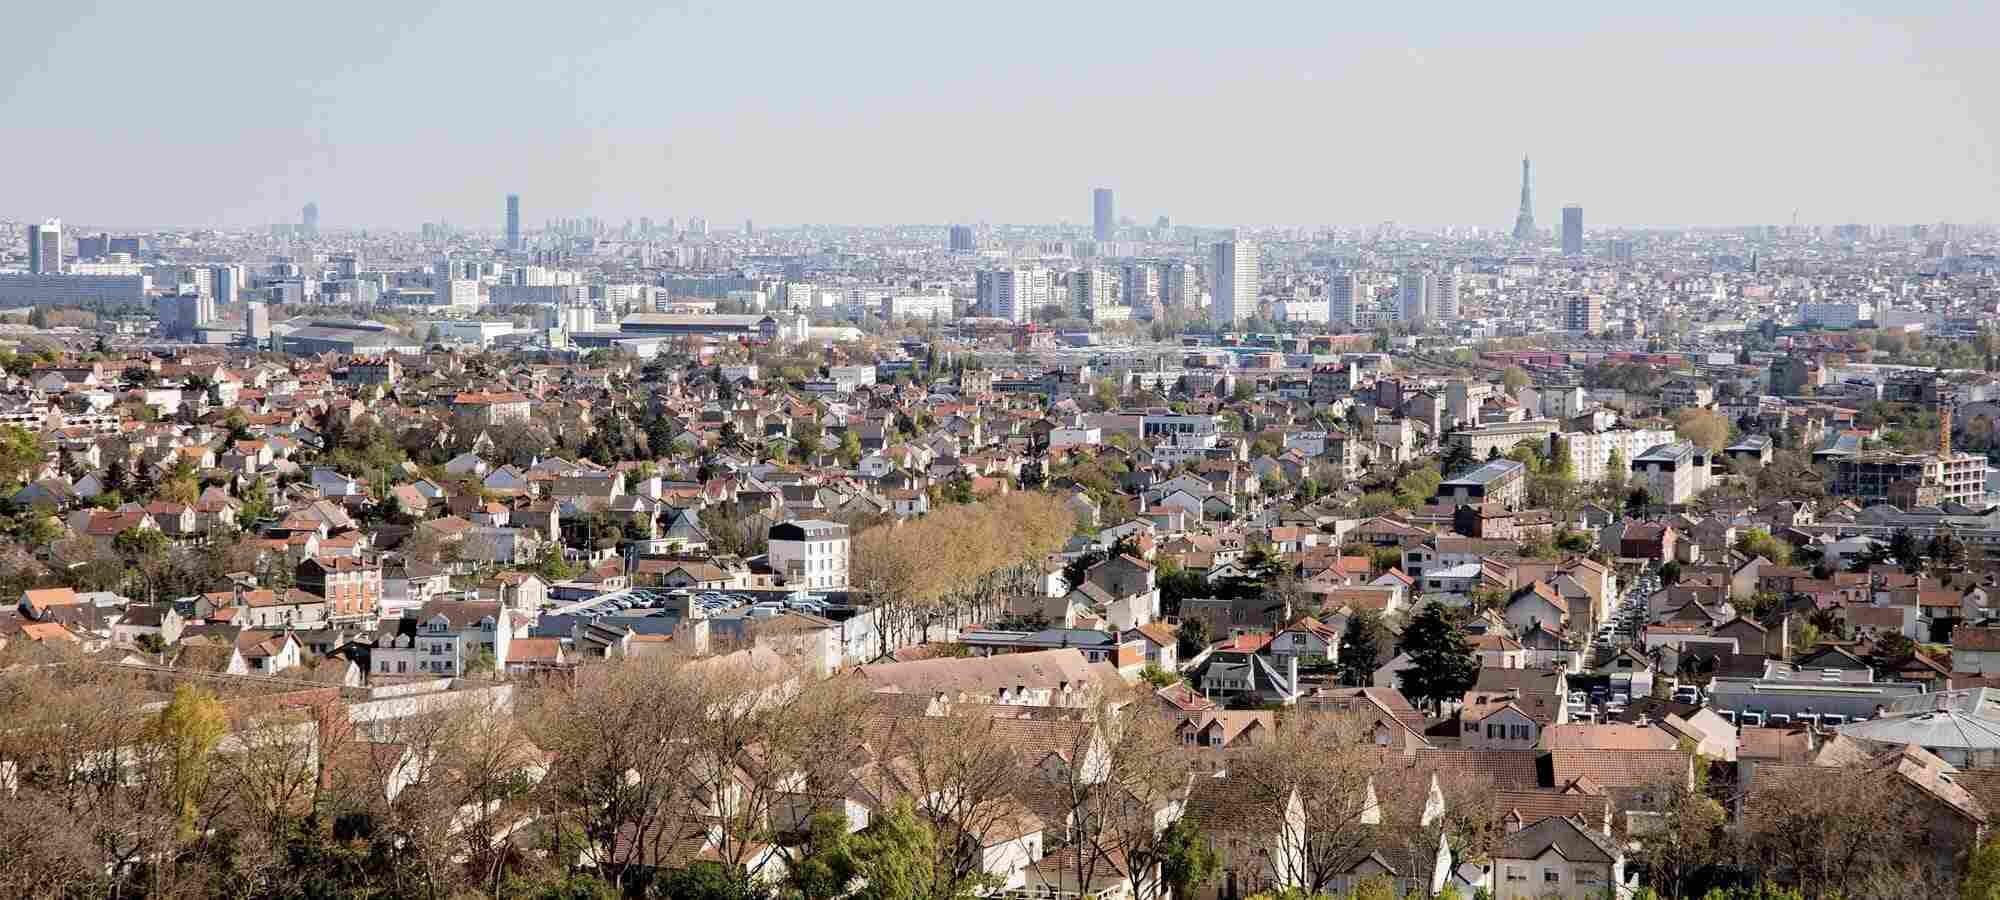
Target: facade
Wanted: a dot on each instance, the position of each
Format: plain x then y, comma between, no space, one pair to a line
442,639
1091,290
45,248
1012,294
1672,473
961,240
1341,288
1235,284
810,553
352,588
1584,314
1572,231
1836,315
1502,436
1590,451
72,290
1413,297
1103,221
1444,296
1502,481
1910,480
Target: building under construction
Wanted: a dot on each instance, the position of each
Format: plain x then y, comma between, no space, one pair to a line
1912,480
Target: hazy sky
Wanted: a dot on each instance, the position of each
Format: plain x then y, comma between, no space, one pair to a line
394,112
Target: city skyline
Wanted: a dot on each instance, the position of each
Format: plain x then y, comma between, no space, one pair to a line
349,126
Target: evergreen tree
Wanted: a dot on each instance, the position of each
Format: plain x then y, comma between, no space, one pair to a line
1360,648
1442,664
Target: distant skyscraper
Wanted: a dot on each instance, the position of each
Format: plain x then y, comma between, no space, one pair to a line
1444,296
45,248
1233,281
1102,223
749,227
309,220
223,283
1413,299
1572,230
514,222
1012,294
1180,284
1524,221
1141,288
962,240
1341,288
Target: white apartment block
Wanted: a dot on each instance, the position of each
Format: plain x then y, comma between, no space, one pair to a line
1590,452
810,553
1235,283
1836,315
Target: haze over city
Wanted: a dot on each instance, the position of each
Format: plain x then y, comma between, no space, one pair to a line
391,113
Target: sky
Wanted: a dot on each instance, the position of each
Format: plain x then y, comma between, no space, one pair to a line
397,112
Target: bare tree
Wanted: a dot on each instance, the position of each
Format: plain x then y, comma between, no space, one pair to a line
1346,787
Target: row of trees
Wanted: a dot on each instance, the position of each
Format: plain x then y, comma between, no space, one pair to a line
958,565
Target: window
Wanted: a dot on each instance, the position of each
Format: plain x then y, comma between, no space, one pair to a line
1552,876
1515,873
1587,876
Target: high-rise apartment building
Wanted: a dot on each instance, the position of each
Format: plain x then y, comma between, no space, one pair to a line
1180,285
1141,288
1091,289
1234,282
1413,297
1341,288
962,240
1102,222
1584,314
1572,230
309,220
45,248
1444,296
1012,294
514,222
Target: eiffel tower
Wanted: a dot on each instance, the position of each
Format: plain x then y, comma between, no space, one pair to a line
1524,222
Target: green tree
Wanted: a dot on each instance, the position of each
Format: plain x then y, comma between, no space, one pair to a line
20,452
1442,664
1514,378
1457,457
1670,573
1758,542
1982,872
1157,677
1191,638
1187,861
1360,648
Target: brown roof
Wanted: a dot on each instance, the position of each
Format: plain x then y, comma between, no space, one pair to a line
1620,768
1606,737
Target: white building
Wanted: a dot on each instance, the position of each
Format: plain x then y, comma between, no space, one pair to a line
1235,283
916,306
1672,473
1590,452
1012,294
810,553
1444,297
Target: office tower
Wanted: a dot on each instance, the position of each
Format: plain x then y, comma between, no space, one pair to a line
224,281
1090,289
962,240
514,222
1234,282
749,227
1102,223
309,220
1584,315
1524,221
1572,230
1444,296
257,320
45,248
1341,288
1413,297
